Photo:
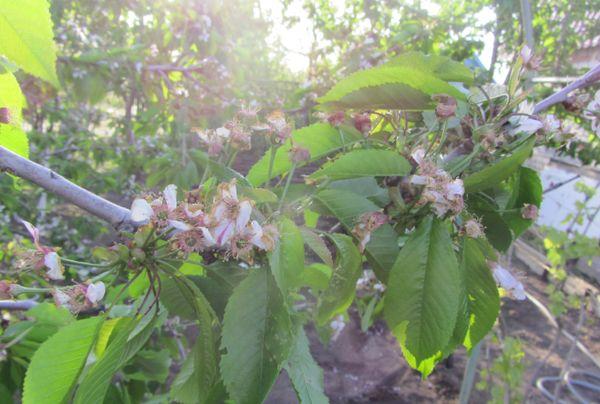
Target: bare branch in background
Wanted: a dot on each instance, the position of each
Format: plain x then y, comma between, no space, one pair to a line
17,304
591,77
116,215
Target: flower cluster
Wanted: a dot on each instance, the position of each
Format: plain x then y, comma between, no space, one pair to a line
367,224
224,226
508,282
592,113
80,297
444,193
40,257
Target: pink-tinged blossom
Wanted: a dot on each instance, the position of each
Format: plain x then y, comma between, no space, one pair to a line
42,256
279,126
446,106
530,61
508,282
160,210
229,214
299,154
362,123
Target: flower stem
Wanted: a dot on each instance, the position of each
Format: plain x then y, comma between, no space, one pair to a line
271,163
85,264
287,185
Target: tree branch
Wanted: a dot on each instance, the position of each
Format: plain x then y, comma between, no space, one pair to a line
592,76
17,304
116,215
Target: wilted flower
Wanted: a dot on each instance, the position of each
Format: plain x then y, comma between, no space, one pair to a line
550,124
529,211
473,229
446,106
362,123
299,154
160,210
214,139
439,189
530,61
336,118
4,115
279,126
592,113
508,282
229,214
6,290
367,224
239,137
42,256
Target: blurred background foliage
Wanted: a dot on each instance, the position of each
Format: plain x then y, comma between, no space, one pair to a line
138,75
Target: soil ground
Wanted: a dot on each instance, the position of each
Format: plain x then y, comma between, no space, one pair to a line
369,367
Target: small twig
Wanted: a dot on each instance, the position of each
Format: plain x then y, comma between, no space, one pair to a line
560,184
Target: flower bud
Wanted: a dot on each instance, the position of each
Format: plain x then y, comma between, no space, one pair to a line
299,154
362,123
336,118
529,212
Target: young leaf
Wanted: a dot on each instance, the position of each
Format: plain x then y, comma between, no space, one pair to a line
499,171
57,363
347,206
342,286
388,87
320,139
421,302
364,163
317,245
305,374
483,302
287,259
27,39
257,336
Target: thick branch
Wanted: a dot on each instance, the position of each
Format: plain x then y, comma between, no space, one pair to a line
587,79
17,304
58,185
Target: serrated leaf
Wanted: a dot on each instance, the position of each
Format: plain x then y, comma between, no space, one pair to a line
364,163
94,385
422,296
27,38
305,374
483,302
347,207
320,139
257,337
218,170
342,286
441,67
58,362
499,171
287,259
388,87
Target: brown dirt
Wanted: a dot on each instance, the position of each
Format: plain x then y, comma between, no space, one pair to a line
369,368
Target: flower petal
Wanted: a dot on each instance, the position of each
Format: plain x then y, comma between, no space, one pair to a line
141,211
170,194
95,292
244,215
52,262
35,233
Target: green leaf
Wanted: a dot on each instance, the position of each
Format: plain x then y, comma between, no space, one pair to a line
347,207
57,363
316,276
364,163
148,365
342,286
287,259
483,302
388,87
320,139
497,230
14,139
305,374
27,39
317,245
94,385
440,66
11,96
499,171
257,336
422,296
527,189
199,378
